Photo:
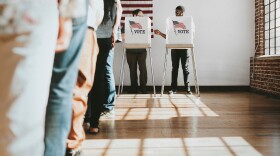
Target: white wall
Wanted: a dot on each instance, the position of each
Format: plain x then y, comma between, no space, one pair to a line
224,42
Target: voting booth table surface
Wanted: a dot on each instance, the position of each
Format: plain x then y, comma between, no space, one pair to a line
137,36
179,35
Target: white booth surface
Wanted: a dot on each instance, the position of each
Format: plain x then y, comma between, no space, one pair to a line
138,30
179,30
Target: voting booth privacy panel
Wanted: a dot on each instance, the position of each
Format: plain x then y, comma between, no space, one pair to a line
179,30
138,30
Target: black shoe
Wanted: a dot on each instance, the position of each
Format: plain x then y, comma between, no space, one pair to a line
74,152
188,88
189,92
172,92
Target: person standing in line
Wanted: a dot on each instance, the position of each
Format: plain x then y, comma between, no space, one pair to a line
85,79
176,56
134,57
110,87
106,38
64,77
28,41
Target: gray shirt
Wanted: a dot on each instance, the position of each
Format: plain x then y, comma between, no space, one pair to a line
105,30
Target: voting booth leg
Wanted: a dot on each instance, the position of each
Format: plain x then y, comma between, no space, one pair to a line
164,72
123,70
195,75
121,73
152,71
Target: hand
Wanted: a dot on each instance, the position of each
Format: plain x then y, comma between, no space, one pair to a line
123,36
157,32
113,40
64,34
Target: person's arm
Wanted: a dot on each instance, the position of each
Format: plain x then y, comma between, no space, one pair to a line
64,29
117,20
64,34
157,32
68,9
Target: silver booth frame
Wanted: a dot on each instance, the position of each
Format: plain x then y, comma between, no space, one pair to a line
135,46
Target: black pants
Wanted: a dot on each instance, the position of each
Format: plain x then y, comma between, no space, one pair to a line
176,56
96,97
137,56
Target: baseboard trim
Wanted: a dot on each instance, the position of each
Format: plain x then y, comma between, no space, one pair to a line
201,88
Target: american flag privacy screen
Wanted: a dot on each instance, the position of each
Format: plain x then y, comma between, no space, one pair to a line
129,5
177,24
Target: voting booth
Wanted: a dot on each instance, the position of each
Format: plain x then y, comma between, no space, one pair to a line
137,36
138,31
180,35
179,30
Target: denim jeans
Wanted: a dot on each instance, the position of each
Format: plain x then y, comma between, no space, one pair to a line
110,89
64,77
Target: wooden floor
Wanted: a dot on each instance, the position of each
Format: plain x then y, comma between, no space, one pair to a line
217,124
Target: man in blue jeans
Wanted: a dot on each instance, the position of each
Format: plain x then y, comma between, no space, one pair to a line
64,76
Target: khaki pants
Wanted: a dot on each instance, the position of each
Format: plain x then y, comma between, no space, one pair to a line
84,83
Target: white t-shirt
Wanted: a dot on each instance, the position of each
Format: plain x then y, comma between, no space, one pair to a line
95,13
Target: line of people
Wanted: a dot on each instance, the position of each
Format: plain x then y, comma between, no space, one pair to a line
51,53
56,61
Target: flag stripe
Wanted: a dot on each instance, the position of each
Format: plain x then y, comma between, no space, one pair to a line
131,9
144,11
136,0
123,18
137,5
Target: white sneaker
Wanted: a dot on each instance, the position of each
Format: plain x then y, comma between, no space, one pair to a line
108,114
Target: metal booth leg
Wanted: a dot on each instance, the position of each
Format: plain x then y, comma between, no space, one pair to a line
152,71
164,72
195,75
121,73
